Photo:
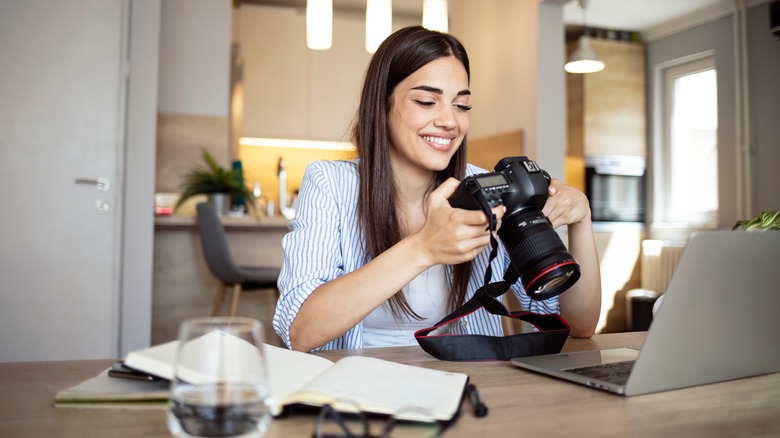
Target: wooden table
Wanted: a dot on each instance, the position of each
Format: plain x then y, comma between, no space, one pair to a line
521,403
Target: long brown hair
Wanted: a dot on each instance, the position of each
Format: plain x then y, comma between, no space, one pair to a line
401,54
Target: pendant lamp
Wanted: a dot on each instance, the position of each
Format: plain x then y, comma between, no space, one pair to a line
435,15
584,59
319,24
379,22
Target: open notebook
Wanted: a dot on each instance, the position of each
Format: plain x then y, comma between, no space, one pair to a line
718,322
295,378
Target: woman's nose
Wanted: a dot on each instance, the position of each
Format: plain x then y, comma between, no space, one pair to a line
446,119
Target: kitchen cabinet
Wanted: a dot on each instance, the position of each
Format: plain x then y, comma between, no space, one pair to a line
291,91
606,110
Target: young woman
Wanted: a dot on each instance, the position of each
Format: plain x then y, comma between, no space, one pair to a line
376,252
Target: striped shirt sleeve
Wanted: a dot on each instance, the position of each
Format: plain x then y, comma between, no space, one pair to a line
323,242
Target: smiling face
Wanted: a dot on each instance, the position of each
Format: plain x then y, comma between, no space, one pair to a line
428,117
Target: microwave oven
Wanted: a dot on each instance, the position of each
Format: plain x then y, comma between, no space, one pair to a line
615,187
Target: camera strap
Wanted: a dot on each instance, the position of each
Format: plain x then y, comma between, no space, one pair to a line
552,330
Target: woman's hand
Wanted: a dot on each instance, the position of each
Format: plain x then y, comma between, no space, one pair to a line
454,235
565,205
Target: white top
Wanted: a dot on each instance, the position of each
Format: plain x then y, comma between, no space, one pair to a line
426,295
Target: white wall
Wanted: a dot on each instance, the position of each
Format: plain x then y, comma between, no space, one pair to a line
195,57
763,107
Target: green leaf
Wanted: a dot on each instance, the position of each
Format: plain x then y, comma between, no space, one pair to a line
766,220
770,220
212,178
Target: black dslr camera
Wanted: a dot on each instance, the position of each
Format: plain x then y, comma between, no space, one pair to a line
545,266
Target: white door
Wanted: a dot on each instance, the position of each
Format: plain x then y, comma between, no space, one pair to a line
62,98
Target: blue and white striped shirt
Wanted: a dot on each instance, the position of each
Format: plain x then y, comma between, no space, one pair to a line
324,243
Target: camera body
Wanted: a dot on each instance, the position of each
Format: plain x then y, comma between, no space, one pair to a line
545,267
517,183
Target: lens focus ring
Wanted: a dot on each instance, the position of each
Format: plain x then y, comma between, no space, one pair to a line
535,245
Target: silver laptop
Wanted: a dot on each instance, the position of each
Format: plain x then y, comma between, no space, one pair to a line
718,321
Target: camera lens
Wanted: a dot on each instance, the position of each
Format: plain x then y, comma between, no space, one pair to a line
545,266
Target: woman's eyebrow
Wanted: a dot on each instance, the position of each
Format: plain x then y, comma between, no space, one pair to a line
435,90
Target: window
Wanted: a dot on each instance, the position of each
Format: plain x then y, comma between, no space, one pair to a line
686,165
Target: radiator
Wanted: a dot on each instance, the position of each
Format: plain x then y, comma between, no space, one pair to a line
659,258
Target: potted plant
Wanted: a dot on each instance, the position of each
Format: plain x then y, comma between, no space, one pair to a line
218,183
766,221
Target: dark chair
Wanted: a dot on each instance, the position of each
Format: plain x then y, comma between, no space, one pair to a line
222,266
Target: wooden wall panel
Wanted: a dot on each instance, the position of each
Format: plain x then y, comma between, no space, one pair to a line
485,152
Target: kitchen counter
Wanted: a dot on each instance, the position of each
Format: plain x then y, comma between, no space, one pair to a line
182,285
229,222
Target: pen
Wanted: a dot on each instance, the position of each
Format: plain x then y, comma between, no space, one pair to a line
480,409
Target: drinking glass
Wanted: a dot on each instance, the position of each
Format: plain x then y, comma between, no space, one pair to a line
220,385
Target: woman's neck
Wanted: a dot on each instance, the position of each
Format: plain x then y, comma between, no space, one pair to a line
412,190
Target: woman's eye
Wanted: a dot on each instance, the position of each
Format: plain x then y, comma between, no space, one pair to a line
425,103
428,104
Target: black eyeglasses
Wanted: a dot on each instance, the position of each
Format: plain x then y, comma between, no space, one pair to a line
345,419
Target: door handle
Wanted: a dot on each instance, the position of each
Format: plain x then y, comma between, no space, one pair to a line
102,184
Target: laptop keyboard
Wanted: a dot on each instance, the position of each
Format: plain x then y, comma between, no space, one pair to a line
616,372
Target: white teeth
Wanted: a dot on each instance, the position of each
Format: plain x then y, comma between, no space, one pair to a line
437,140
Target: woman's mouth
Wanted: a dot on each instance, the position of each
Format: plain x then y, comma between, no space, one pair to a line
438,143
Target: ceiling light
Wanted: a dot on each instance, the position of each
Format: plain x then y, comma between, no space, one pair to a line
435,15
584,59
319,24
379,22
